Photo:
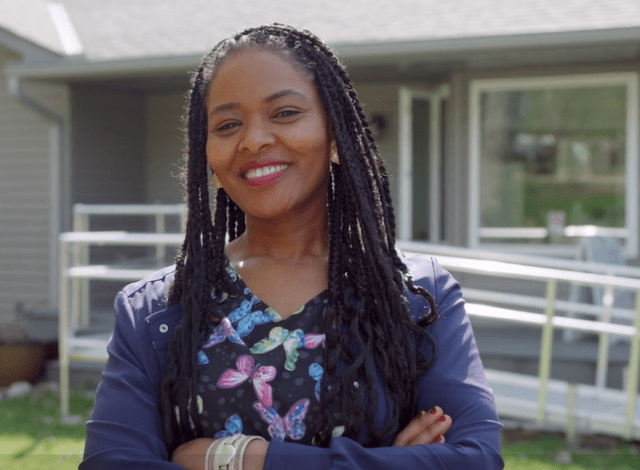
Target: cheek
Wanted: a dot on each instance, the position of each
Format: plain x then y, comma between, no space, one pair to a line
216,155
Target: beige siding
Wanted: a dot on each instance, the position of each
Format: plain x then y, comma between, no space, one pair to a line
26,256
164,146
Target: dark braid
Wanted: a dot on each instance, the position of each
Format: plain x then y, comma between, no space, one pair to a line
366,321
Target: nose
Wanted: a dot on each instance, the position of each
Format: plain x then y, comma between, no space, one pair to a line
256,135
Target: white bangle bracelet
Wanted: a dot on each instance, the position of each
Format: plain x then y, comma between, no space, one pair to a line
238,463
228,453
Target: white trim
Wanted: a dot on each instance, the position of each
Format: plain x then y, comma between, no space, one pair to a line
405,163
435,157
66,31
55,158
632,126
405,150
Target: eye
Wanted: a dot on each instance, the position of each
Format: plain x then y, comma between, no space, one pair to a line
226,126
286,113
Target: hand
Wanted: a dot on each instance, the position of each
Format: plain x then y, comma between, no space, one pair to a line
428,427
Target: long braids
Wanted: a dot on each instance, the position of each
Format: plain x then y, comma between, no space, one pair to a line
366,322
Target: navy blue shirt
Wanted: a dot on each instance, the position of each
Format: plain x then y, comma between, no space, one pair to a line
125,430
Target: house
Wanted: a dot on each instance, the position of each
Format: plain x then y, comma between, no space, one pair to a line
499,122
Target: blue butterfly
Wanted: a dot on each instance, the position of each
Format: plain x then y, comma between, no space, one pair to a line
247,319
316,371
233,425
202,358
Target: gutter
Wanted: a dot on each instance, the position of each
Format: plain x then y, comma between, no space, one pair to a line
14,85
81,68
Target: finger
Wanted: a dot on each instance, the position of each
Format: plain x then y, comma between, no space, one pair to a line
433,433
418,425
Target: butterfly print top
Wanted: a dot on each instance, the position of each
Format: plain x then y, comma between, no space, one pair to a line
259,374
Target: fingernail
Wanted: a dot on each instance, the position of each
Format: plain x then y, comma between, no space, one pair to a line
433,410
440,438
442,418
420,415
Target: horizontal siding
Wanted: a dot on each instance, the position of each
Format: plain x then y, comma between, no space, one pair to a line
25,199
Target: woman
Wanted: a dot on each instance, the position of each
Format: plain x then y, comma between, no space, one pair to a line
292,317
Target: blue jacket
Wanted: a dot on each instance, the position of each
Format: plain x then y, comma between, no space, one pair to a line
125,430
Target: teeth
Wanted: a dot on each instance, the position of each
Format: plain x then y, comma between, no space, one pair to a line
264,171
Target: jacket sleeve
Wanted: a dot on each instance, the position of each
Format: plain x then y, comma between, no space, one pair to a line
456,382
125,430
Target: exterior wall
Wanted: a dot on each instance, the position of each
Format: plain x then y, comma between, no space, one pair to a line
164,146
108,147
27,212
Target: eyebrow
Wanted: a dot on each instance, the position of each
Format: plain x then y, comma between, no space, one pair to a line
268,99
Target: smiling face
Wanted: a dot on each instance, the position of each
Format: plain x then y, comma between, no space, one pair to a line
267,139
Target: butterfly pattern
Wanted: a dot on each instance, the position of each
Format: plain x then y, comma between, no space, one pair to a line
291,341
292,425
273,382
259,376
232,426
316,372
247,319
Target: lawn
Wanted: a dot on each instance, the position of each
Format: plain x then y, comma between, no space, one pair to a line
32,438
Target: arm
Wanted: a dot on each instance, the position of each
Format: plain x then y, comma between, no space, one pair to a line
456,382
125,430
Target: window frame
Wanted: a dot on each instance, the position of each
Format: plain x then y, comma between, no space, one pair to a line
627,79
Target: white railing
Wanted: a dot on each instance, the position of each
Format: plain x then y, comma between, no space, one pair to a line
626,425
540,397
76,272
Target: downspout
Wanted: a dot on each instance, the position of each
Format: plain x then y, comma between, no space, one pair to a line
55,162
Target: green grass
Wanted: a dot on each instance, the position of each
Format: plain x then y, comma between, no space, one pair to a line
540,451
32,438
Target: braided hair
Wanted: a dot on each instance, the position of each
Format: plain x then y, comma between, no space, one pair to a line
366,321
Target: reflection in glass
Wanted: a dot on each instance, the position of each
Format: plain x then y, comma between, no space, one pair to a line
557,149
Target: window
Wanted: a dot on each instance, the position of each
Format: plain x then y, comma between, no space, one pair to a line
553,159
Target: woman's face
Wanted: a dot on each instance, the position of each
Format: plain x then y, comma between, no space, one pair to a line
267,139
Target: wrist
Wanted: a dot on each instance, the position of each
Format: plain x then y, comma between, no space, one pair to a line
255,454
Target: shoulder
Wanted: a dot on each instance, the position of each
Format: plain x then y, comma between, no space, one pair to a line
427,273
146,300
151,293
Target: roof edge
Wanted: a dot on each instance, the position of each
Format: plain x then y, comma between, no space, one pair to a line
83,68
474,43
29,50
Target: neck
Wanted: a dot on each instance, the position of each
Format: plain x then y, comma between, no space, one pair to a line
291,237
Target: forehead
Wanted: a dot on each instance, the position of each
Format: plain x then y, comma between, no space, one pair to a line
256,73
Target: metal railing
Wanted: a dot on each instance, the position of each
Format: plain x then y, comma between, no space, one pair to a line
76,272
548,319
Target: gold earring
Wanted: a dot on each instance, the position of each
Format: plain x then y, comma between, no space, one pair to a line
216,181
335,158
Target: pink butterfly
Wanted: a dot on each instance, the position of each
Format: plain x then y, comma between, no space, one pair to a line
258,375
291,425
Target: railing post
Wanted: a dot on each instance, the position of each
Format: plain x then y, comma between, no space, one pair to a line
81,257
546,347
160,249
632,385
63,331
602,365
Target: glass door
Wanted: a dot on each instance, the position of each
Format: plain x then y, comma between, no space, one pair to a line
421,145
